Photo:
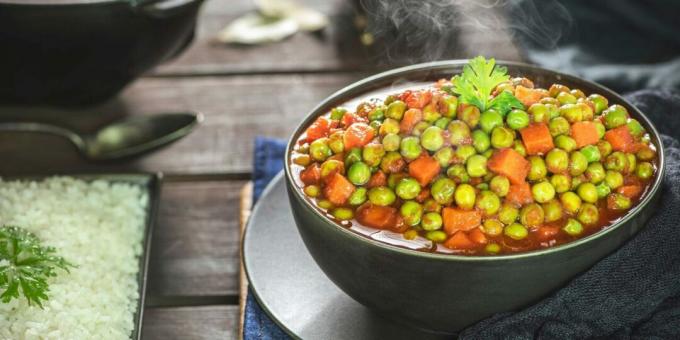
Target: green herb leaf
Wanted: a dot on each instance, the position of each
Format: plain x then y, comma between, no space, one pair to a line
505,102
26,265
478,80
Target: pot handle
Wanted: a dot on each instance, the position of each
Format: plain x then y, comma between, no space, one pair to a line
162,8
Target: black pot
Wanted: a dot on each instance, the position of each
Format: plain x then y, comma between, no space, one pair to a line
74,52
443,292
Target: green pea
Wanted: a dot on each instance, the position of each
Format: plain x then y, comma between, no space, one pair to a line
352,156
537,170
488,153
488,203
508,213
430,205
458,173
464,152
565,143
324,204
613,179
444,156
335,142
519,147
571,202
605,148
635,128
502,137
646,153
492,227
319,149
302,159
476,166
378,113
556,89
480,140
359,173
430,113
540,113
615,116
571,112
517,119
500,185
566,98
432,138
591,152
331,166
557,161
391,142
396,109
616,201
337,113
542,191
573,227
492,248
560,182
559,126
312,190
442,123
588,214
373,153
465,196
382,196
442,190
553,110
632,163
450,106
410,148
459,133
482,186
431,221
552,211
531,215
437,236
644,170
603,190
601,130
343,214
375,125
588,192
616,161
470,115
489,120
394,178
408,188
412,212
599,102
420,128
595,172
516,231
389,125
586,111
577,163
410,234
358,197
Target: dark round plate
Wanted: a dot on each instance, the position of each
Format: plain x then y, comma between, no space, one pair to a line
292,289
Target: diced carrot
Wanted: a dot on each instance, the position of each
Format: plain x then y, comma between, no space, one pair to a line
417,99
311,174
621,139
376,216
350,118
357,135
527,96
338,189
545,233
424,169
318,129
509,163
537,139
630,191
458,219
410,119
584,133
519,194
460,241
477,236
378,179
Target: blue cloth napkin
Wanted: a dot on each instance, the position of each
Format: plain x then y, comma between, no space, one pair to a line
632,294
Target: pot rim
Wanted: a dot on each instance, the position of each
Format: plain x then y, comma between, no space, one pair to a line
404,72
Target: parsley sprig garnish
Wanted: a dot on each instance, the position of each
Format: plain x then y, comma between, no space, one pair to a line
477,82
26,265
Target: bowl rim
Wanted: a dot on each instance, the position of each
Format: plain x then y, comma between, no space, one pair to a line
441,65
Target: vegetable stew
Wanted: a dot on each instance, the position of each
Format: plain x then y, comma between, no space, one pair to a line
481,164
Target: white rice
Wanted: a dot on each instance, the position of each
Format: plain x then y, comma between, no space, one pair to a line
97,226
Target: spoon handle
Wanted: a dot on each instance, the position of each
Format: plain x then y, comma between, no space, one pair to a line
44,128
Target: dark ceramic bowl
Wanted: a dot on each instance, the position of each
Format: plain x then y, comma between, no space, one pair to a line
77,52
445,293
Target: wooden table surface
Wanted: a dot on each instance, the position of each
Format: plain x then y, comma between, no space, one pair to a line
193,290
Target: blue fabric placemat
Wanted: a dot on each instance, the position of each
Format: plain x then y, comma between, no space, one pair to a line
632,294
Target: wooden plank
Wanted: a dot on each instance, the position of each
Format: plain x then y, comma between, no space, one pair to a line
236,110
195,250
191,323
